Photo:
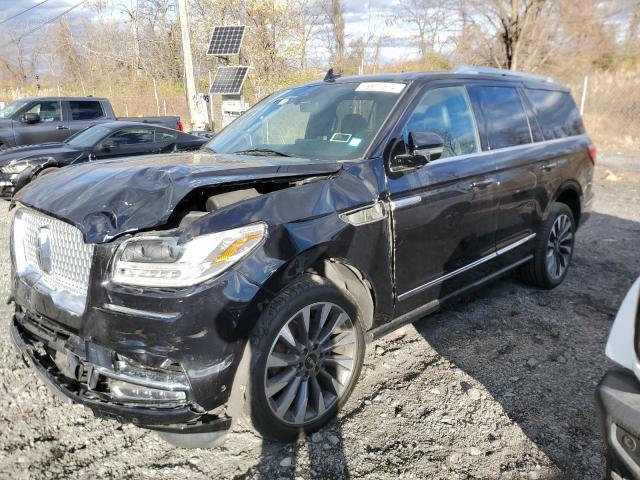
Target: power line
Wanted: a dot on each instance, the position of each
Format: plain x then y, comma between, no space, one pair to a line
23,11
33,30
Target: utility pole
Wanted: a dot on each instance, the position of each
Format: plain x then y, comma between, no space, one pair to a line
197,111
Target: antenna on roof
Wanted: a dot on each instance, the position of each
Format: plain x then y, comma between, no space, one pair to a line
331,76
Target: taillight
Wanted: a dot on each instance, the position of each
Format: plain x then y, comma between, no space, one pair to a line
181,127
592,153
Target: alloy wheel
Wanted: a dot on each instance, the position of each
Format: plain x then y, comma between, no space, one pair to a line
559,246
310,363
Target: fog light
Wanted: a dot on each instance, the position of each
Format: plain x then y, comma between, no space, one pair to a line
135,393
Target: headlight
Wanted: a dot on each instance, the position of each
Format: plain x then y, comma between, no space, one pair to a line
164,262
14,168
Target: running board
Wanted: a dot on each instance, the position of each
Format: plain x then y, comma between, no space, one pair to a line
434,305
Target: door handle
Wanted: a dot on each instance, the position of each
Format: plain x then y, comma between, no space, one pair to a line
481,184
62,127
549,166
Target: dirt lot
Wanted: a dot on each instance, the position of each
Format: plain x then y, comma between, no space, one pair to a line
498,385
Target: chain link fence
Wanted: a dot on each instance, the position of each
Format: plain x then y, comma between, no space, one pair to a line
611,109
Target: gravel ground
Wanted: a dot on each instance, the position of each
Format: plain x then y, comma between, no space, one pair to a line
497,385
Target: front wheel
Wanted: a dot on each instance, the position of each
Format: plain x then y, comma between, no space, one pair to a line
308,349
554,249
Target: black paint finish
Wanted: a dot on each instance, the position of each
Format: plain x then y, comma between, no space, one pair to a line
464,209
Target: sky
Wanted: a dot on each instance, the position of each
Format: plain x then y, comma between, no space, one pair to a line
361,19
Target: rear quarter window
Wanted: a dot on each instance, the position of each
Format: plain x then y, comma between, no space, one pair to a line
85,110
557,113
165,136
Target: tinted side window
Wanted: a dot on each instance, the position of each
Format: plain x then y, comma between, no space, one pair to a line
48,111
506,122
447,112
165,135
133,136
85,110
557,113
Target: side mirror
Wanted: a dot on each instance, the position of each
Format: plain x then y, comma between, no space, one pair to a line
422,147
108,145
30,118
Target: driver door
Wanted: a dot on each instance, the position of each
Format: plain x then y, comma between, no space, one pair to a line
444,212
51,127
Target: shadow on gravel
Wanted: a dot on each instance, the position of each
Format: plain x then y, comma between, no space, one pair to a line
318,456
540,353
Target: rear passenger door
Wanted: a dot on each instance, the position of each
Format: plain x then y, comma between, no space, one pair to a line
509,132
444,213
84,113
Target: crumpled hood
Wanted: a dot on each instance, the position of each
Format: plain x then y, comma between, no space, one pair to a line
25,152
107,198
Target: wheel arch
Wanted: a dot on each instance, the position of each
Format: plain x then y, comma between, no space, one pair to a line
570,194
343,274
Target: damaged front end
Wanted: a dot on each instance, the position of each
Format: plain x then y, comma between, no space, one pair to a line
111,385
137,298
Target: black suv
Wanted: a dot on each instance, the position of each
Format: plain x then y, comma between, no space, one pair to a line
170,291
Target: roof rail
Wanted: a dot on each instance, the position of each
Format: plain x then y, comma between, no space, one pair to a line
473,70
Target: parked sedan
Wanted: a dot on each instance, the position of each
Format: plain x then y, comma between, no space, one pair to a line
20,165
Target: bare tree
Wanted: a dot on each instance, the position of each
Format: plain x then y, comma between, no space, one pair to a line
510,21
334,15
431,18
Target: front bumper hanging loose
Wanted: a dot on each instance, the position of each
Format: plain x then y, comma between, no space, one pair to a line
85,373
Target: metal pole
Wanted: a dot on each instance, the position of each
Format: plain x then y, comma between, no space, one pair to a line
211,117
196,113
126,109
585,84
155,94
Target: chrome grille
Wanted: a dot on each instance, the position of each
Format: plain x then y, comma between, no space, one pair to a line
70,257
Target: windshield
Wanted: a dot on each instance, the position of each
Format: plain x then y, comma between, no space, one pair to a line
330,122
88,137
13,107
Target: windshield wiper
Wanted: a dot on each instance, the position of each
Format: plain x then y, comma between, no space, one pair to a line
261,151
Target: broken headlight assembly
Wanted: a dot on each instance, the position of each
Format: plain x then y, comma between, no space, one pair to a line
165,262
14,168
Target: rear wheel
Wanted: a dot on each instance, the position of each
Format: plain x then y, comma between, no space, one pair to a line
307,355
3,146
554,249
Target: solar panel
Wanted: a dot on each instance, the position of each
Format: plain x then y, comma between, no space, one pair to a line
226,40
229,80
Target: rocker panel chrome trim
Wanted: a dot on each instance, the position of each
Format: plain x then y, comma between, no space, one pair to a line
480,261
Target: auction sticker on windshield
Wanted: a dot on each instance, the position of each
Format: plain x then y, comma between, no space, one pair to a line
386,87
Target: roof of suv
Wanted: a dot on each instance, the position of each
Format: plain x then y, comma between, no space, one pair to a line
499,75
65,98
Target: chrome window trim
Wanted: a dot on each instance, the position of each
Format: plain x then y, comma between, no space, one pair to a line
478,262
507,149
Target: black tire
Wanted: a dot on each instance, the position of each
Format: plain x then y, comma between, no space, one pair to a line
538,272
3,146
308,291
